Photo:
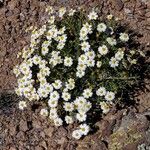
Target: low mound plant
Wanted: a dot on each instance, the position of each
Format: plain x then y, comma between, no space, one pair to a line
77,64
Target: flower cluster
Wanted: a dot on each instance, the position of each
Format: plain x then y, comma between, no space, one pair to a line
68,66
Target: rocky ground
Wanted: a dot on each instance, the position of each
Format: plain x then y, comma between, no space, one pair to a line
125,129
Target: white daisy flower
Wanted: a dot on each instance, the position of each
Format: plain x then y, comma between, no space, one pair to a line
71,80
42,92
49,88
66,96
85,46
83,33
101,91
44,112
103,50
62,30
45,71
105,107
22,105
29,62
49,35
80,101
88,27
109,17
132,52
92,15
90,54
52,103
80,73
68,106
90,63
71,12
83,38
68,61
60,46
51,20
70,86
134,61
84,128
119,55
81,67
58,122
54,95
110,96
57,84
82,109
124,37
76,134
25,69
36,59
49,9
113,62
53,113
82,59
26,91
111,41
101,27
16,71
42,64
87,93
99,64
142,53
69,119
62,11
62,38
53,32
46,93
81,117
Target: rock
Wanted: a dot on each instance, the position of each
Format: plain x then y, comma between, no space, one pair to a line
118,4
12,130
115,131
148,27
145,1
42,134
43,144
20,135
128,12
124,1
143,146
147,14
139,3
12,148
12,5
97,145
3,52
38,148
62,132
49,131
130,133
36,124
148,21
144,102
61,141
141,12
23,126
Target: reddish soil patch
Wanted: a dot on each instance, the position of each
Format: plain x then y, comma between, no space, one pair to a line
27,130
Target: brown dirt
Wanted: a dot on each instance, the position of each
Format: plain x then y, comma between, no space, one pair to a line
27,130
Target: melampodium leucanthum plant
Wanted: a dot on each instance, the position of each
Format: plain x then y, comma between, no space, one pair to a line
75,63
